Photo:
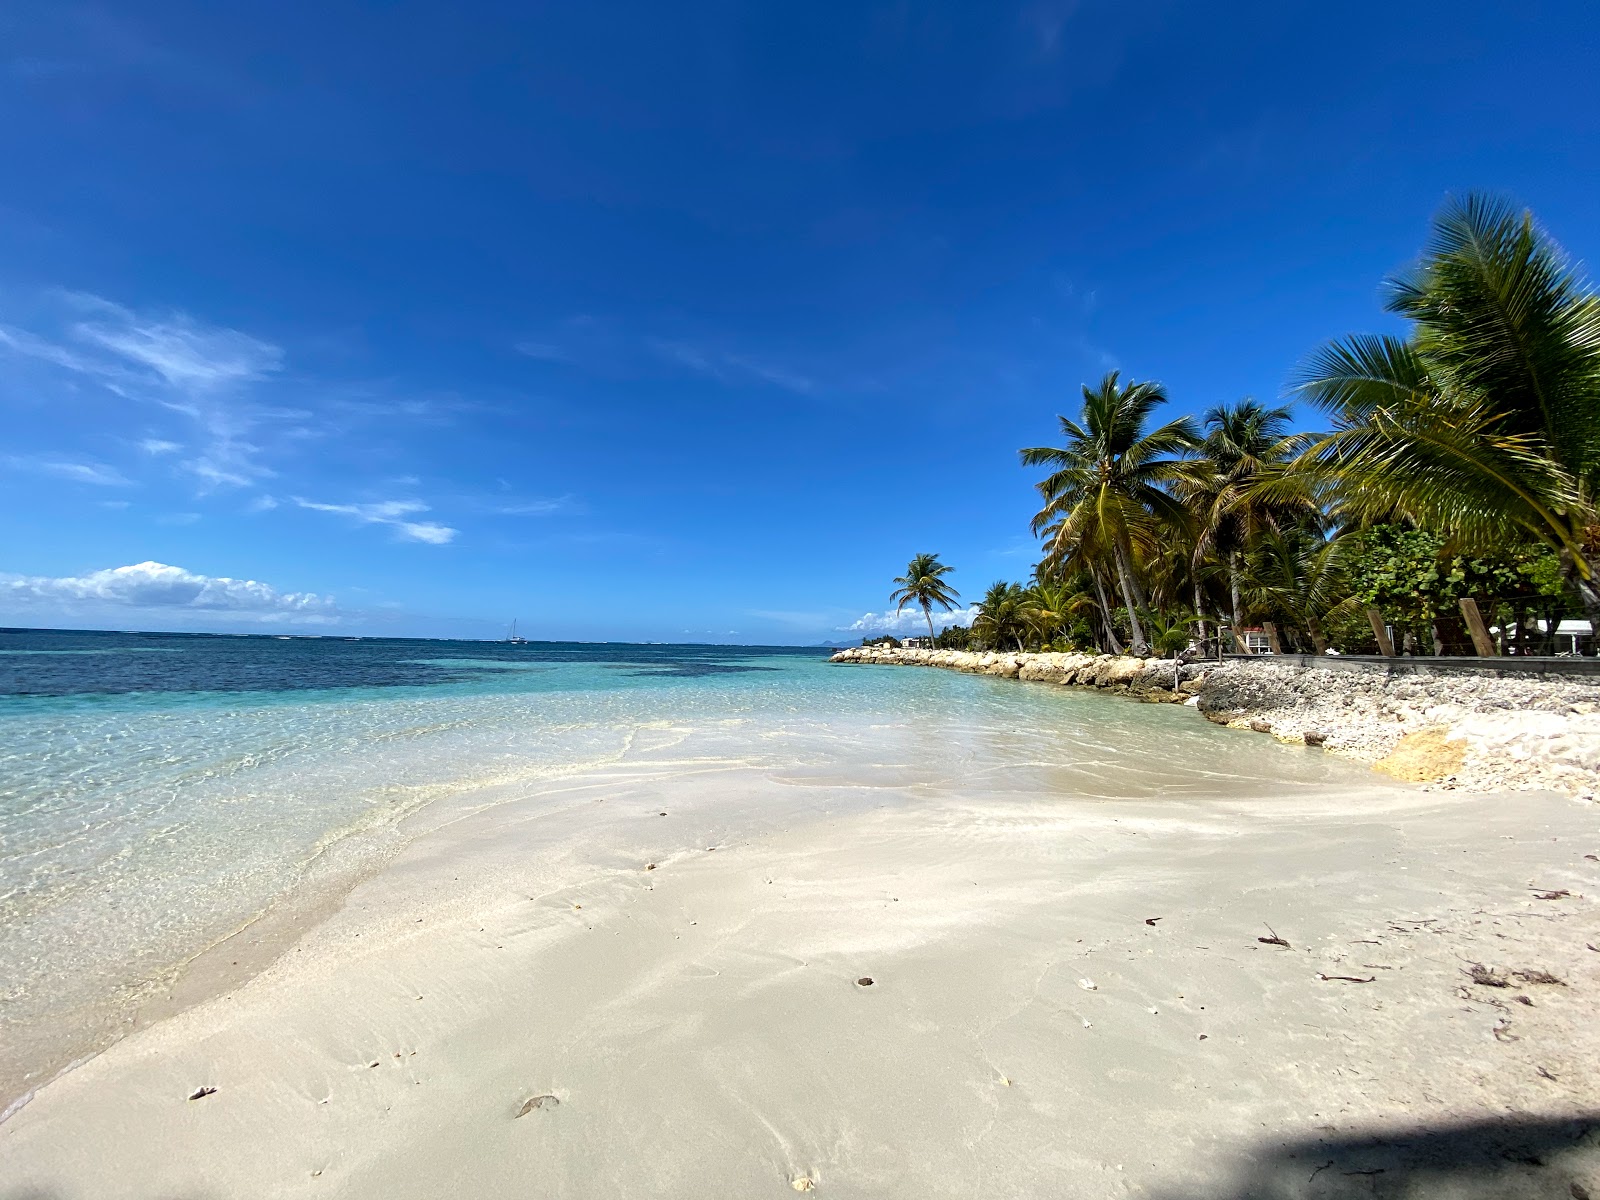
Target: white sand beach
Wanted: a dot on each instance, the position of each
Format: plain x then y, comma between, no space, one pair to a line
653,980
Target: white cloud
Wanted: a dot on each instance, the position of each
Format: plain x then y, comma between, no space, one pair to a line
202,371
190,356
20,341
262,503
909,620
153,585
94,473
389,512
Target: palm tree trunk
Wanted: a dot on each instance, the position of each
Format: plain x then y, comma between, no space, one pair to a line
1200,611
1238,605
1589,594
1112,645
1125,556
1125,578
1318,641
927,611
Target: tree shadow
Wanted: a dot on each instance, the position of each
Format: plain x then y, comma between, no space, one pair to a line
1515,1158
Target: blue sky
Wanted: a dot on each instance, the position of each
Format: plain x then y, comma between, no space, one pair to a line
679,321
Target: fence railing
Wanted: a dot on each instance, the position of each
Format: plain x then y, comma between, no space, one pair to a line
1526,666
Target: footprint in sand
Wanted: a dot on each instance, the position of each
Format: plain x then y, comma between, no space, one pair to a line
538,1102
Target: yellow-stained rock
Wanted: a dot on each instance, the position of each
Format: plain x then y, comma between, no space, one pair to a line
1425,756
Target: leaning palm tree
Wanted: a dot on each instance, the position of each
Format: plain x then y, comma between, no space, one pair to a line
923,585
1105,494
1486,422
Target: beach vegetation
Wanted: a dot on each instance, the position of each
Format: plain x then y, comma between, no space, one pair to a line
924,586
1003,618
1458,481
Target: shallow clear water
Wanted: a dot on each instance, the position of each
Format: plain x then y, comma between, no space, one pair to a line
157,791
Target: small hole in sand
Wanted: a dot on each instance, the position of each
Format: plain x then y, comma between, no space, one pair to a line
864,981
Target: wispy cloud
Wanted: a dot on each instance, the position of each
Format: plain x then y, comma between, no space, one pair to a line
1045,22
174,361
793,619
393,513
192,358
20,341
908,620
534,508
602,347
97,474
544,351
728,368
153,585
520,506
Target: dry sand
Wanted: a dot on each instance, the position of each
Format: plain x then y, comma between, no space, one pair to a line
1069,997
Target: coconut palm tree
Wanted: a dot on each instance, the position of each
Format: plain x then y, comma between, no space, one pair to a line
923,585
1487,420
1105,493
1053,605
1239,484
1302,576
1002,615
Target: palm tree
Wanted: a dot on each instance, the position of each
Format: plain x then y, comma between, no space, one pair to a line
1002,614
923,585
1487,421
1239,485
1303,577
1105,493
1170,635
1052,605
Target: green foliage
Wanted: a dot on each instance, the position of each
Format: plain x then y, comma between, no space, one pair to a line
1463,460
1106,496
883,639
1169,632
1002,620
923,585
953,637
1487,420
1412,576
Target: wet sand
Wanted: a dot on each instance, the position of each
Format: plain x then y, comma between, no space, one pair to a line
1069,997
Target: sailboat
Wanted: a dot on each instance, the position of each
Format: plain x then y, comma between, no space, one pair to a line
512,636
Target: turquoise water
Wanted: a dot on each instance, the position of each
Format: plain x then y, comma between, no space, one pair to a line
157,792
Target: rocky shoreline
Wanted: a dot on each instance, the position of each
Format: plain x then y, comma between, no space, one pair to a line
1477,731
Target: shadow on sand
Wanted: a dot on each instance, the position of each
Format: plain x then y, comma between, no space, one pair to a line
1528,1158
1511,1159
